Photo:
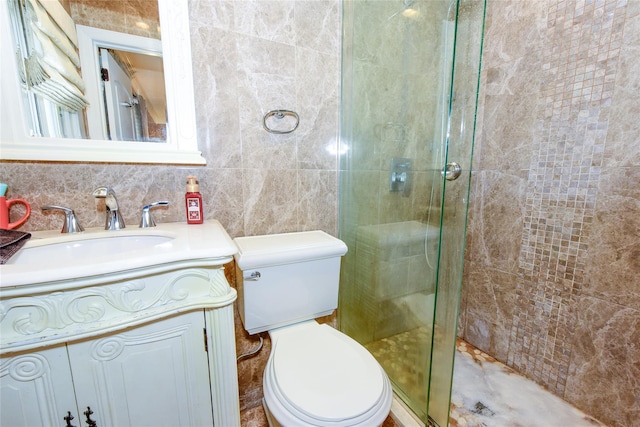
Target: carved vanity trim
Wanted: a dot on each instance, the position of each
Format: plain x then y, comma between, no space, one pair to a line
39,316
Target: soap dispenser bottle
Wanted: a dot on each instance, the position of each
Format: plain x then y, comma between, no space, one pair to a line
193,201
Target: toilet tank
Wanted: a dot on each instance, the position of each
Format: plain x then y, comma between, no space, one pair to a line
287,278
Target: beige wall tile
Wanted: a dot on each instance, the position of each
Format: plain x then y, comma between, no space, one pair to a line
246,62
605,366
560,106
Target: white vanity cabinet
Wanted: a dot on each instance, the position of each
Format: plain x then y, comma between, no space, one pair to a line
144,338
36,388
153,375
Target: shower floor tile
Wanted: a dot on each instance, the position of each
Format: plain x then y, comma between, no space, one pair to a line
486,393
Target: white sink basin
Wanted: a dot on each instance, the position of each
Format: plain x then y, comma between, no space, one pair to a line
50,256
43,252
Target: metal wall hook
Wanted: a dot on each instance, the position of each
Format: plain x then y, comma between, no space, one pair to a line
279,115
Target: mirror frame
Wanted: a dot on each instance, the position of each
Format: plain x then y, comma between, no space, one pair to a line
181,147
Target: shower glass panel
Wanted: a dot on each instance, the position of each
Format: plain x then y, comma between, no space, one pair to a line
409,98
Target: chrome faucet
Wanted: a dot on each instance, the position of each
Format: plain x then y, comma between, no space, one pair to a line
113,220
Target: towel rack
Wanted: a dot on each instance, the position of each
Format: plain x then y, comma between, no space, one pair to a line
280,114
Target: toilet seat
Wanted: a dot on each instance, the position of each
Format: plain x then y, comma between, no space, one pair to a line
317,376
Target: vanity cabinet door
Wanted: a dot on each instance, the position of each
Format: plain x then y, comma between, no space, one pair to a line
153,375
36,389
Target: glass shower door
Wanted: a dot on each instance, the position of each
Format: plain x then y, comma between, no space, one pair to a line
410,77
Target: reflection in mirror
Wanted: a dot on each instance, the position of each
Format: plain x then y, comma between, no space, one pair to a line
48,65
125,83
133,93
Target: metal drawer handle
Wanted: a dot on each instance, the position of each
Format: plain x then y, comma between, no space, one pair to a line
68,419
89,421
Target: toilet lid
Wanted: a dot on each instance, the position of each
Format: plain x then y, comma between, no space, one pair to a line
326,375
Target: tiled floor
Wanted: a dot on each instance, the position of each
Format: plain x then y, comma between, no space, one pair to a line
486,393
255,417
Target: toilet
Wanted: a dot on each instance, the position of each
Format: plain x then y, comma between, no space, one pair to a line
315,375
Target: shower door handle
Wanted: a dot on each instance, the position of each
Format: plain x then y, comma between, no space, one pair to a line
451,171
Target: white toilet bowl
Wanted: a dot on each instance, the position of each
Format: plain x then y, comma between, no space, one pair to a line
315,375
318,376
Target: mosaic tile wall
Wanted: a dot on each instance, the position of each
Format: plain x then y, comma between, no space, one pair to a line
552,277
247,181
579,70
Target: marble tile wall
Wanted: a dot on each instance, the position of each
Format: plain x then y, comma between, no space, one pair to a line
249,57
126,17
552,275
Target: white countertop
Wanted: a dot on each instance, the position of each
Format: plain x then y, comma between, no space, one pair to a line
179,243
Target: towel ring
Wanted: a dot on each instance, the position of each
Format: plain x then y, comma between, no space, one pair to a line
280,114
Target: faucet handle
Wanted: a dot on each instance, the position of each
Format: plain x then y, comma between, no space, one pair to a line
71,224
146,220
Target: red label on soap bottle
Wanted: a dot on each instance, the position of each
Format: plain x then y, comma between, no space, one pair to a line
194,208
193,201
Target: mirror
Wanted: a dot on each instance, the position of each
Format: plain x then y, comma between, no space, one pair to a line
181,143
125,85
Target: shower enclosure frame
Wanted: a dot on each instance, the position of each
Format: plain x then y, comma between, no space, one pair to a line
388,170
